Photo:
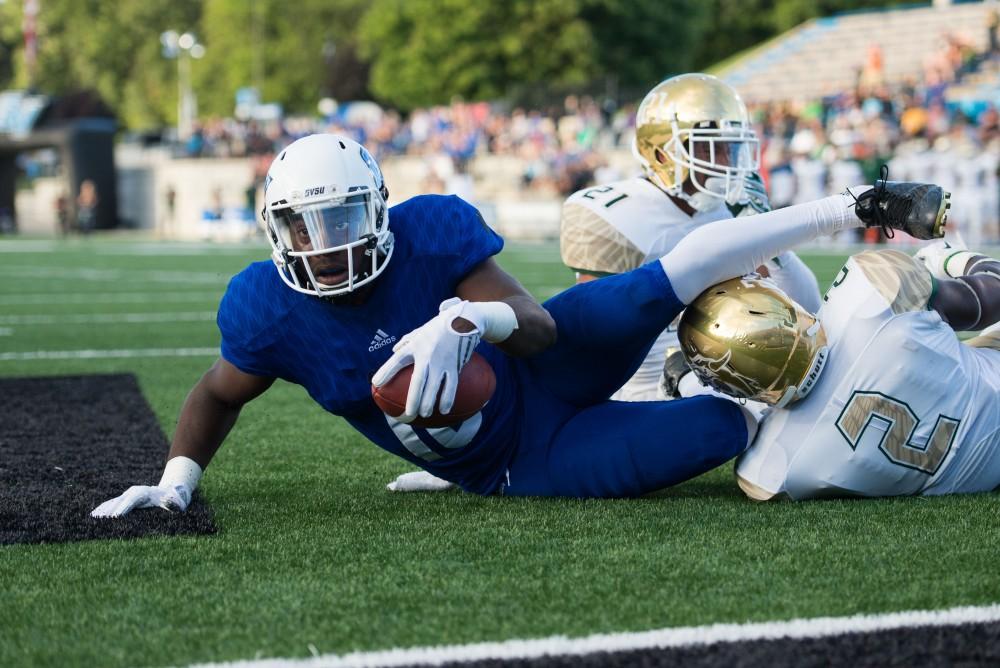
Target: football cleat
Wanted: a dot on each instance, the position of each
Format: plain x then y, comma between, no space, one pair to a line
919,209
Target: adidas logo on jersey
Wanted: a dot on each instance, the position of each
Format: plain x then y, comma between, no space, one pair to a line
380,341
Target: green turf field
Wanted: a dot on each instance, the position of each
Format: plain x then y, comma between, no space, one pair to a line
312,550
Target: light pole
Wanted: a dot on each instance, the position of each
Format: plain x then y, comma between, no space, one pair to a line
182,48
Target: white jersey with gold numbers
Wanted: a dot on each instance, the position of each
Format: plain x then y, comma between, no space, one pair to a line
614,228
902,407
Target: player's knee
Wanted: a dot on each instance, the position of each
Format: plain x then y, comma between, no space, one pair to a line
754,492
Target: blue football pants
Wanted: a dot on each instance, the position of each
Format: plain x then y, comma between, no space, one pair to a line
576,442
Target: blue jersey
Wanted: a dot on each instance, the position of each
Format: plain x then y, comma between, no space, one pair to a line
333,349
549,429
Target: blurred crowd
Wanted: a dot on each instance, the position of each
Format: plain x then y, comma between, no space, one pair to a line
809,148
560,148
817,147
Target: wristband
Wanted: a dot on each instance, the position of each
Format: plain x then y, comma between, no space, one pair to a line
181,471
496,321
955,265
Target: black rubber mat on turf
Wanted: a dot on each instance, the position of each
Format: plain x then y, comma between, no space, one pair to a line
68,443
964,645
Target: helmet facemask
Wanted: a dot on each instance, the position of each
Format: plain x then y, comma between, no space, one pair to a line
715,157
330,245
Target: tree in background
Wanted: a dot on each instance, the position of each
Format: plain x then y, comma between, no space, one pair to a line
425,51
421,52
642,42
110,47
294,53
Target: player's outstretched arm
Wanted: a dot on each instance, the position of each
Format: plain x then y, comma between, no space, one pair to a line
209,412
968,286
726,249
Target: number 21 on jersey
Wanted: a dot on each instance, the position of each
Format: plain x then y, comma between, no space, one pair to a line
602,193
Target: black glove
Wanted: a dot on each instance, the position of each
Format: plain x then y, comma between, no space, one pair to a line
753,199
674,368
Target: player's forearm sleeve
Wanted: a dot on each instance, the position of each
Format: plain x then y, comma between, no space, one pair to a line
730,248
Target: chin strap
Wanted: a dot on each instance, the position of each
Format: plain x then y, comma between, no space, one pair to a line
700,201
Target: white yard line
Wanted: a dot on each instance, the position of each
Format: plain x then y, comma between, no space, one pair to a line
126,276
92,354
616,642
108,297
27,246
188,248
138,248
104,318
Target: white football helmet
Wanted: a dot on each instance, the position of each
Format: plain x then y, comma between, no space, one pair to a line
324,198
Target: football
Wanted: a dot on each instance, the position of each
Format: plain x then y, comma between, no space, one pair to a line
476,384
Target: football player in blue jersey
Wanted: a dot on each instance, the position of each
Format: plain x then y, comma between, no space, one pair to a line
354,299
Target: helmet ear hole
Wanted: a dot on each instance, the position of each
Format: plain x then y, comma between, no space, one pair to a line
660,156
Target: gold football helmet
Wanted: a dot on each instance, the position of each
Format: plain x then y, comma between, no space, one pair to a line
695,126
746,338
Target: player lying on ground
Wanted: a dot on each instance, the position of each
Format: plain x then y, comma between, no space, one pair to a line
699,155
890,402
342,277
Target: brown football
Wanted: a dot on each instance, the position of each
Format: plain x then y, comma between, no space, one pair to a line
476,384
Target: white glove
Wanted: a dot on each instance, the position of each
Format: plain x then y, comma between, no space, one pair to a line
437,353
175,499
419,481
180,478
944,259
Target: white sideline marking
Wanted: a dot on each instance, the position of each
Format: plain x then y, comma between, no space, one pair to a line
187,248
107,354
139,248
109,318
107,297
27,246
110,275
616,642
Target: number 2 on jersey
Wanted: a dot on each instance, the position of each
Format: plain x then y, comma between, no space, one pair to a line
896,423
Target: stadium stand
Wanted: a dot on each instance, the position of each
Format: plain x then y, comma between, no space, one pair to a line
827,55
